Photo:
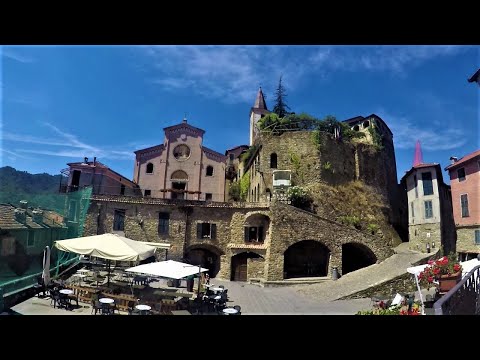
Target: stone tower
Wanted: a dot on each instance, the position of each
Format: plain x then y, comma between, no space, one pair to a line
258,111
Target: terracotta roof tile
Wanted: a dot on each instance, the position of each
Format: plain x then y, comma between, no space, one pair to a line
464,159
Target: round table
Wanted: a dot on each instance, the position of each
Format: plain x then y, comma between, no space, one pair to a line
106,301
230,311
66,292
217,289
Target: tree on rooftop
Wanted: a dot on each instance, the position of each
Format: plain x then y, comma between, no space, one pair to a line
280,107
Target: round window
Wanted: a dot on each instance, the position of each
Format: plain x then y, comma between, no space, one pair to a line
181,152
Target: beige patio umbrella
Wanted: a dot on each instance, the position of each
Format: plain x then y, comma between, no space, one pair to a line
107,246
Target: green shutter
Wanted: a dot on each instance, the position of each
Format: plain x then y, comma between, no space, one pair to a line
260,233
246,232
213,231
477,237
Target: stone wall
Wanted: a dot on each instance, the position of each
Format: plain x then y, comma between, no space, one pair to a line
291,225
466,239
419,237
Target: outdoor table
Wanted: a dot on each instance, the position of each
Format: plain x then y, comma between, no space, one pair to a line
83,270
66,292
80,277
143,308
230,311
217,289
106,301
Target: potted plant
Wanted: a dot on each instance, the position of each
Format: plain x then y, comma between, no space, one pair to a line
446,270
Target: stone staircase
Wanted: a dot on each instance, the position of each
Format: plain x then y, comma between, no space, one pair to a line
370,277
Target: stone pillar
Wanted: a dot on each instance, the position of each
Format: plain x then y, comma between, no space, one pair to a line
335,261
225,266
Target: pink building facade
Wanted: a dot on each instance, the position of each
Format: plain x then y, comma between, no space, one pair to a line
465,184
181,167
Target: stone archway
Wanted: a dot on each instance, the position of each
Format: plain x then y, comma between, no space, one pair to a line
239,264
207,257
307,258
356,256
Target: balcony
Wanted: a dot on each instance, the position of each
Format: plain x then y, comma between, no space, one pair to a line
67,189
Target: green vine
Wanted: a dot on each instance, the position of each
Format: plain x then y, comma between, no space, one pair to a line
377,138
296,162
244,185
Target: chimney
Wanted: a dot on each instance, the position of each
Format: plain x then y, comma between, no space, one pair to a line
20,216
23,204
453,159
37,216
94,160
85,160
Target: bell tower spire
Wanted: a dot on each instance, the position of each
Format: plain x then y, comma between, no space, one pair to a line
418,158
258,111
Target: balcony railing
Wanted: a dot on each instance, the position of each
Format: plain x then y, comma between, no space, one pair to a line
463,299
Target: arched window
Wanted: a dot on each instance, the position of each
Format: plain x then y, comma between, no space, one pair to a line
366,124
356,128
273,161
179,175
209,170
149,168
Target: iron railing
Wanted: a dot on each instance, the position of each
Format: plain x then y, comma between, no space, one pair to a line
463,299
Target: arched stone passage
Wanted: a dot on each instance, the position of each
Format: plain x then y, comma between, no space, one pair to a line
207,257
307,258
356,256
240,265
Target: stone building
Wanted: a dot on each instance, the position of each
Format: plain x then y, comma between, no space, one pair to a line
100,177
24,233
181,167
465,183
429,201
184,187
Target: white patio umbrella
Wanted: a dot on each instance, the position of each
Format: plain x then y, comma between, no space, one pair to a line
46,266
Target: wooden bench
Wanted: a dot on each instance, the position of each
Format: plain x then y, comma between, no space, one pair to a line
122,300
83,294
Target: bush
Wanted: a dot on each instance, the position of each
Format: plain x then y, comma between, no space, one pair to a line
234,192
299,198
373,228
350,220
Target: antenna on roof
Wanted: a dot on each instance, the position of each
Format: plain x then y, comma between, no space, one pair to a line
185,118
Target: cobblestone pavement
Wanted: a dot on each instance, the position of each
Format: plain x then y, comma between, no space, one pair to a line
255,300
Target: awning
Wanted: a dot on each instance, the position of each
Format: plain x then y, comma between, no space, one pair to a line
107,246
167,269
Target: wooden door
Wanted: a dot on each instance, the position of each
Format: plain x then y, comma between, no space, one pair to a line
239,268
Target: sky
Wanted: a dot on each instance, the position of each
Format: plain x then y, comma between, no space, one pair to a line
59,104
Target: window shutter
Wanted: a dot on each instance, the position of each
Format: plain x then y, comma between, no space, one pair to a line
213,231
246,231
477,237
199,231
260,233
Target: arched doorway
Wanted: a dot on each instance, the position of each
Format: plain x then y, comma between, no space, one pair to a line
307,258
356,256
206,258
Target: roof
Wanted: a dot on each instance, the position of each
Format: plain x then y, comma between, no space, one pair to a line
361,118
8,220
151,148
237,149
475,77
425,165
213,152
260,101
463,160
184,124
102,166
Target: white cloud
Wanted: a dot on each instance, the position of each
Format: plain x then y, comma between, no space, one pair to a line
13,154
12,53
233,73
406,132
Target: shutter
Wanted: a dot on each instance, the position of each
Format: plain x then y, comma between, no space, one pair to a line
477,237
246,230
199,231
213,231
260,233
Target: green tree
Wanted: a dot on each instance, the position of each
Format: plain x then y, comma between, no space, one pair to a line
280,107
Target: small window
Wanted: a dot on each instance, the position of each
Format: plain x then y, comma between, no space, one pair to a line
356,128
428,209
464,205
163,223
148,192
273,161
253,233
477,237
122,189
427,183
149,168
209,170
206,231
231,156
412,209
208,197
415,185
461,174
118,220
366,124
31,238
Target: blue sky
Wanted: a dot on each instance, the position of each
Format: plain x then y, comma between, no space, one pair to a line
61,103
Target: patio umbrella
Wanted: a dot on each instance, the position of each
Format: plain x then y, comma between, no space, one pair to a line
46,266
